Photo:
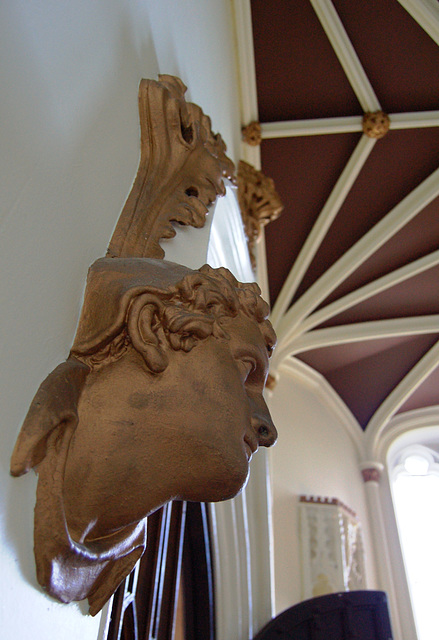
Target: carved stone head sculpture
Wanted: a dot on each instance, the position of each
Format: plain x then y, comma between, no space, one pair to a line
160,399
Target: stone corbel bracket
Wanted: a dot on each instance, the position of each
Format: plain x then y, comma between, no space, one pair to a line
259,203
181,170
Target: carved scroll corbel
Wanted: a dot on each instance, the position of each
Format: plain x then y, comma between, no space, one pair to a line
259,203
181,170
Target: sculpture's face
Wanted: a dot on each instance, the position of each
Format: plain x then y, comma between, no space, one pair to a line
173,405
218,408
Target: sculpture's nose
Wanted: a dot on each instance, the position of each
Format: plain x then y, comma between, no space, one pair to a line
263,424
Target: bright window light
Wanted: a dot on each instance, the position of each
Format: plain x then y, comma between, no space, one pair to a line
416,499
416,465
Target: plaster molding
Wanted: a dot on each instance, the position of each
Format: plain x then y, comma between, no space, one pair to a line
245,60
371,474
371,289
388,226
420,425
227,241
241,537
387,551
415,425
280,317
414,120
242,548
249,111
426,15
403,423
399,395
346,54
231,583
344,124
362,331
261,267
311,127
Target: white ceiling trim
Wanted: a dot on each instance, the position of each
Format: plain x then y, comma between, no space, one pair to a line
362,331
245,60
346,54
426,418
371,289
400,394
261,266
397,218
311,127
348,124
414,120
426,15
321,226
231,583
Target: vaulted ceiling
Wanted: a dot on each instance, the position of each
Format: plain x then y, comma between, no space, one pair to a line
353,261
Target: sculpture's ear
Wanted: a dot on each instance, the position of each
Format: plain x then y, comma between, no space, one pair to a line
55,404
143,324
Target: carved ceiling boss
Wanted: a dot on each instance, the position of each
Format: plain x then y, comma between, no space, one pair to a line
259,203
161,396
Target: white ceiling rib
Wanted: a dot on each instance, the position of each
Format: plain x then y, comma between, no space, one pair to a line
426,14
246,61
360,331
399,216
311,127
371,289
349,124
320,228
346,54
400,394
414,120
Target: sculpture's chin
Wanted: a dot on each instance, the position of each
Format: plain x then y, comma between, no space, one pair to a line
227,486
233,491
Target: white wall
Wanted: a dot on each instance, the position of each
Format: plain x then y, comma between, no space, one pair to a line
69,147
315,455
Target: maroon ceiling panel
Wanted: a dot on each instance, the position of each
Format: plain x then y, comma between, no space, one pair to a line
330,359
399,57
305,170
298,73
364,382
299,77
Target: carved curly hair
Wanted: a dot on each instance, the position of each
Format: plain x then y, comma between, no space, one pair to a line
188,311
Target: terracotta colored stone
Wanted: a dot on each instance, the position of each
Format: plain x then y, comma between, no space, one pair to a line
160,399
161,396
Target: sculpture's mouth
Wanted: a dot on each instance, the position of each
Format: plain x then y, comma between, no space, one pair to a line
251,446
